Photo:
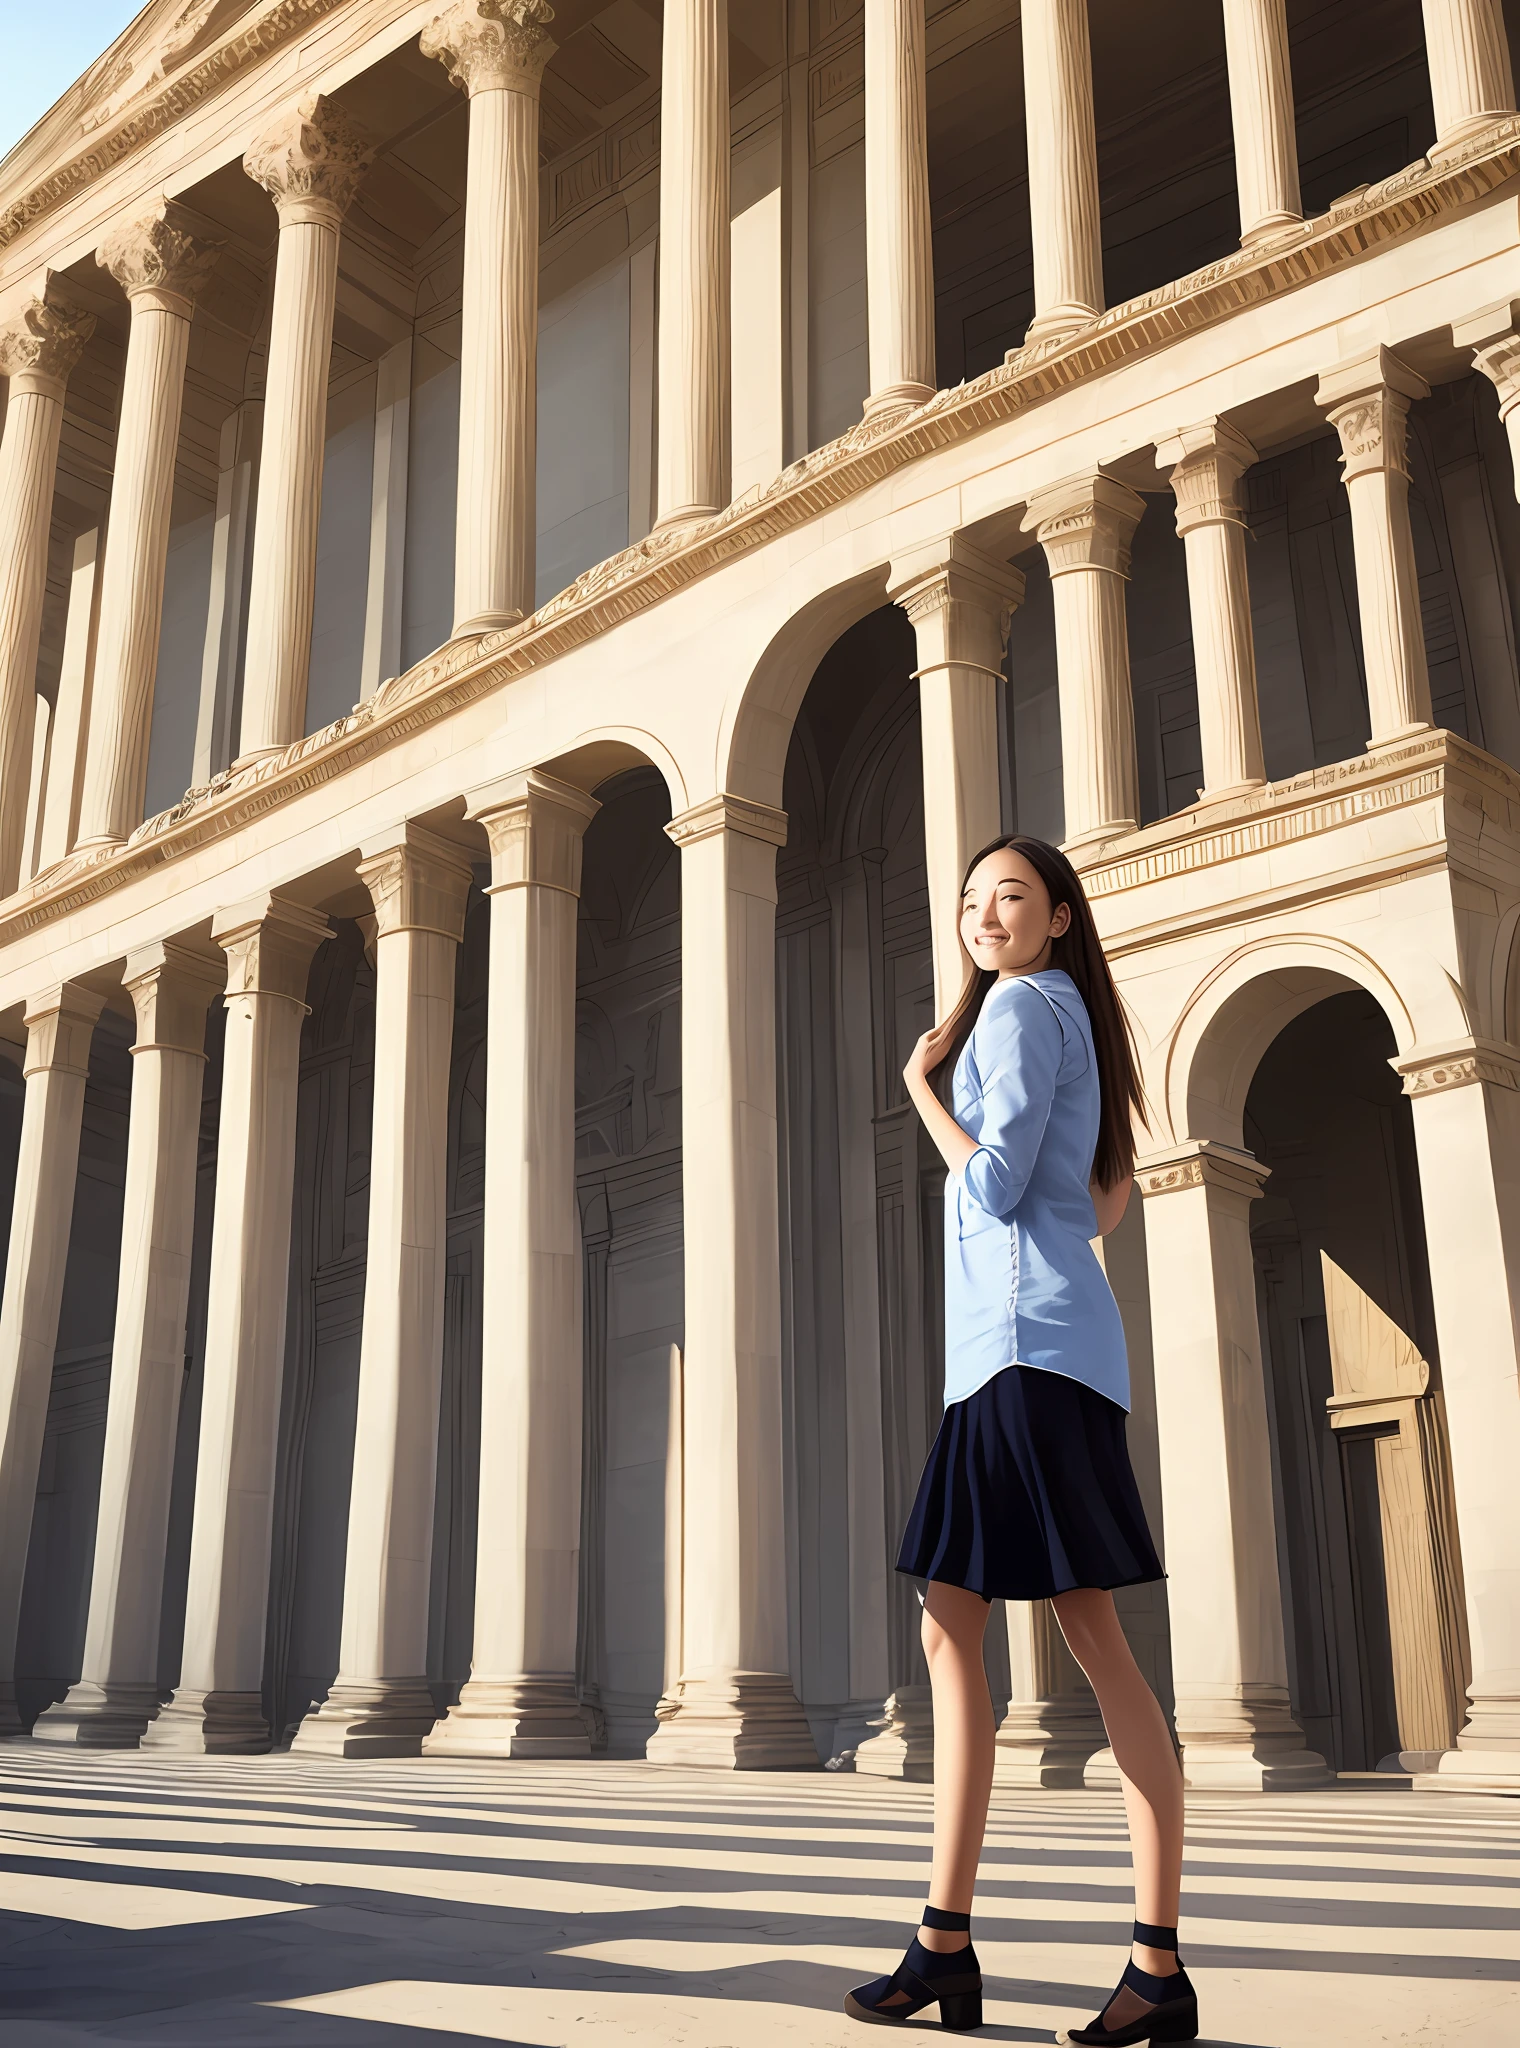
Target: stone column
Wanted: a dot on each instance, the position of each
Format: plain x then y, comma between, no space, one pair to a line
1367,401
734,1707
1466,1104
497,50
59,1026
218,1706
379,1704
40,341
1064,227
521,1696
899,249
960,602
1053,1726
1471,84
310,162
1261,108
1493,334
117,1694
1229,1655
1207,462
1084,525
692,460
159,264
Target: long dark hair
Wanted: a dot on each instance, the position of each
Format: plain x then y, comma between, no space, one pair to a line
1079,953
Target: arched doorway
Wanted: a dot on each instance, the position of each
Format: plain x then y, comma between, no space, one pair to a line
1366,1534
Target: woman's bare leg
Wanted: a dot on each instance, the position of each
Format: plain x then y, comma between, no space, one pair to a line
1142,1746
954,1623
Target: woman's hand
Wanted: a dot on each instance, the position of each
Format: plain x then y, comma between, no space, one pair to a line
926,1056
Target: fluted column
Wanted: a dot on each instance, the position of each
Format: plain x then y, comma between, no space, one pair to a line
40,341
1493,334
1465,1102
117,1693
960,602
1471,81
1207,462
217,1706
1229,1655
733,1708
520,1699
496,50
1085,525
59,1026
1064,225
310,162
1261,109
899,247
159,264
1367,400
692,465
379,1703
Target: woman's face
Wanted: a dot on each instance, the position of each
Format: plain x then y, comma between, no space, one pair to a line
1007,922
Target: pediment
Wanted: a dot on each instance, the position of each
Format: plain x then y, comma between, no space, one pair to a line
165,38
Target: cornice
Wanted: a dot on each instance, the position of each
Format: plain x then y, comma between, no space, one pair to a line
654,568
160,110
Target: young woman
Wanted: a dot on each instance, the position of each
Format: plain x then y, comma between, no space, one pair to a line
1028,1492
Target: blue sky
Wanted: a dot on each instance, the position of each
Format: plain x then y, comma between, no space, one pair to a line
46,48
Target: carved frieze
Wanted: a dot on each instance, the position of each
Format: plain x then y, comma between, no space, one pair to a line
492,45
159,253
311,160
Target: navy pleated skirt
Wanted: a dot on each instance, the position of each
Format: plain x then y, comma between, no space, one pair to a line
1027,1492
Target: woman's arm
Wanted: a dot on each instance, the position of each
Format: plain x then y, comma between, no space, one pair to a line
1022,1054
1110,1204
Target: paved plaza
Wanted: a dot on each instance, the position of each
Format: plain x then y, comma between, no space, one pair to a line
405,1904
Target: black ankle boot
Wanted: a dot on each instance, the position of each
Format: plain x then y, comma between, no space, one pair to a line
1173,2014
924,1975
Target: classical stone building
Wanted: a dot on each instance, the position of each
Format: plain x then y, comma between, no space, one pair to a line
530,550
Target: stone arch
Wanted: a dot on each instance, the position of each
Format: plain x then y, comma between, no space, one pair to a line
1232,1017
756,728
598,755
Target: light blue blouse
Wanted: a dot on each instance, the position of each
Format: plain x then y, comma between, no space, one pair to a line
1022,1282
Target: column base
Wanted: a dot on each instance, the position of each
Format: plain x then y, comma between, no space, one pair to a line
904,1745
1099,836
484,622
1245,1740
114,1715
369,1717
1044,1745
1269,227
1487,1755
210,1724
682,516
1056,322
1473,1770
1464,135
513,1717
1386,741
733,1721
898,399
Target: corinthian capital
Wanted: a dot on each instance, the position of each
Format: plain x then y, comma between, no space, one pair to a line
310,161
40,339
492,45
159,255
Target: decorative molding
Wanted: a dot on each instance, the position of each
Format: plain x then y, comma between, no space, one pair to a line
1206,461
1085,522
311,160
1202,1162
159,256
43,338
269,942
280,24
535,825
728,814
1367,401
493,45
1460,1066
460,673
417,882
60,1024
1500,364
